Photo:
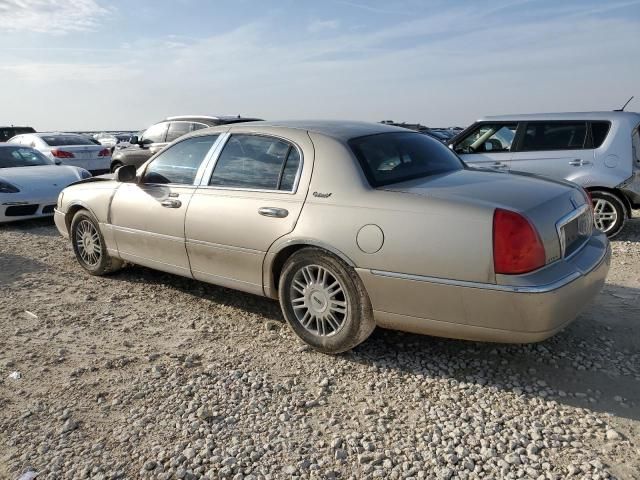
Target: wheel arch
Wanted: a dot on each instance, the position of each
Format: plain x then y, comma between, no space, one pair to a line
275,260
618,194
72,210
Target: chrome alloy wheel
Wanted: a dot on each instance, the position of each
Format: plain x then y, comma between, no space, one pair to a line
604,214
88,243
319,301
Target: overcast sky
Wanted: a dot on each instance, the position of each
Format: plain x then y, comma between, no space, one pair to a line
97,64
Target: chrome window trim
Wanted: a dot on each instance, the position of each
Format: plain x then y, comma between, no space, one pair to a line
210,169
564,221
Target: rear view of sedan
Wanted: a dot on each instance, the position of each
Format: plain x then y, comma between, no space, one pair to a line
349,226
30,183
69,149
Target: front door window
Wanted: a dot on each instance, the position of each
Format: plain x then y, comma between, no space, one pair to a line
488,138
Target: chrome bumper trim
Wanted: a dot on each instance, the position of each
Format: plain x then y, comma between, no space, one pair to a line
492,286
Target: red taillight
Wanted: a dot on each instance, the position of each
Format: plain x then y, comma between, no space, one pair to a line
105,152
517,247
62,154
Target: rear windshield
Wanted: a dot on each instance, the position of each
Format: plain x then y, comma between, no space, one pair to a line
21,157
58,140
395,157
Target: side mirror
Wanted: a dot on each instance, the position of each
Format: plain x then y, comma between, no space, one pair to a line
126,174
57,161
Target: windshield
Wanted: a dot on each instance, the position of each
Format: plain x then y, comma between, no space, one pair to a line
21,157
395,157
59,140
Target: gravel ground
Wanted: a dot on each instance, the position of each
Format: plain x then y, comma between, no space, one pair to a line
149,375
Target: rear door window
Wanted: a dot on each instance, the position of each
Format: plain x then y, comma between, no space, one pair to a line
179,163
256,162
554,136
488,137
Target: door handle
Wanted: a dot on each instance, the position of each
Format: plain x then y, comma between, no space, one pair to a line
273,212
170,203
499,165
579,163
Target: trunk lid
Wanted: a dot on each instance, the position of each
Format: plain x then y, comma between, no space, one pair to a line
545,202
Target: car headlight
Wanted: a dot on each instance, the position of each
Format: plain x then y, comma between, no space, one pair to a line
84,174
6,187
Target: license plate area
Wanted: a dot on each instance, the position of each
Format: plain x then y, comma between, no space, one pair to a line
575,230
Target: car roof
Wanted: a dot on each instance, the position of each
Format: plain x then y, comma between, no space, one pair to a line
44,134
565,116
211,118
342,130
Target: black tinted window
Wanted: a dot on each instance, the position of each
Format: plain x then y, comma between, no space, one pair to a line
395,157
251,161
21,157
6,134
599,131
179,163
555,136
155,134
177,129
60,140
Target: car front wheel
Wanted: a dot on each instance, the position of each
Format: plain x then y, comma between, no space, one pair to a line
324,301
608,212
89,247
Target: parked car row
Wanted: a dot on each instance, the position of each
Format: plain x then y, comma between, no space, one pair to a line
349,225
142,146
598,151
30,182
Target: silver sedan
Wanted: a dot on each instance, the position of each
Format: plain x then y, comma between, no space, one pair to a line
349,225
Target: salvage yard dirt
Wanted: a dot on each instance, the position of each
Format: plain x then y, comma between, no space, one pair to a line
148,375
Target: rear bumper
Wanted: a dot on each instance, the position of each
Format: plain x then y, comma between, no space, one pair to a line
60,221
520,313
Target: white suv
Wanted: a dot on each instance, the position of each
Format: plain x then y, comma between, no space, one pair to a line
599,151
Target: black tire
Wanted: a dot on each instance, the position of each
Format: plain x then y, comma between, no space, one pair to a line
355,323
610,202
104,263
115,165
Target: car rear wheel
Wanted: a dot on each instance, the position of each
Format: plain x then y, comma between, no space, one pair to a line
89,247
115,166
608,212
324,301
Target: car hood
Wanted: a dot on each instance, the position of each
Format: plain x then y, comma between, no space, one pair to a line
40,176
512,191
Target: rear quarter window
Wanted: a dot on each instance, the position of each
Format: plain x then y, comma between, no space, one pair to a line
599,131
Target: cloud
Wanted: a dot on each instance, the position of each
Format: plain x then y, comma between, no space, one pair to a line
52,73
322,25
56,17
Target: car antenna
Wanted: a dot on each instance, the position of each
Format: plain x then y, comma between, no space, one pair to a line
623,107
